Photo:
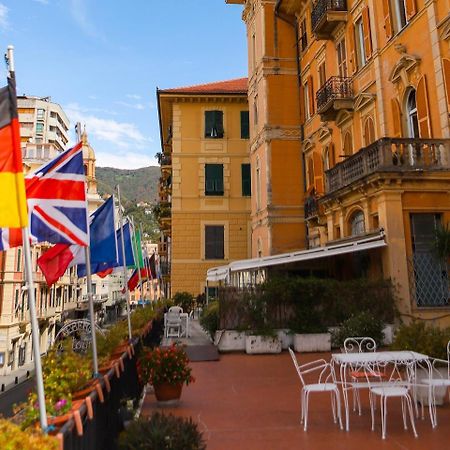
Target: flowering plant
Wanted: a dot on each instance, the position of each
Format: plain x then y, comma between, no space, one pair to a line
165,365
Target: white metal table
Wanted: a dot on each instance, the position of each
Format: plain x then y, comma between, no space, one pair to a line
365,359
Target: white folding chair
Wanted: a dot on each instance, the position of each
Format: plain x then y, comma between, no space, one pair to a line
173,324
177,309
390,385
325,382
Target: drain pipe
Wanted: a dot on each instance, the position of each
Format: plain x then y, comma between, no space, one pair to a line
290,20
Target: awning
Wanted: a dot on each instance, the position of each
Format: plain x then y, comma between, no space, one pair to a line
359,245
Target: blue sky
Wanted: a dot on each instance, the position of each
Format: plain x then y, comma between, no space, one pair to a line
102,60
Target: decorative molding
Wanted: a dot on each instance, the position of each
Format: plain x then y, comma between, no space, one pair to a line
343,117
444,28
324,132
363,100
404,65
308,145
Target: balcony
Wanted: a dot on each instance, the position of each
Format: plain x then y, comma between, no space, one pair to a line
334,95
311,206
162,248
326,16
390,155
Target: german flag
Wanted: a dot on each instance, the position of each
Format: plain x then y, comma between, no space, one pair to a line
13,205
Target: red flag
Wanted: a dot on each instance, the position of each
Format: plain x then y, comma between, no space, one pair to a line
105,272
54,262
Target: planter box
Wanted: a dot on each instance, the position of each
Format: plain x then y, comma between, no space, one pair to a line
314,342
229,341
439,391
286,338
262,344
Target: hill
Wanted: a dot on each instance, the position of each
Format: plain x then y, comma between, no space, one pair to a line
138,185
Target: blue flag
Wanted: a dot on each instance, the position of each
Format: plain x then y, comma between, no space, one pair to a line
129,257
103,242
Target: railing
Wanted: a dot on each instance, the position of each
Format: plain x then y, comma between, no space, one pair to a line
311,206
322,7
336,88
162,248
166,160
165,268
390,154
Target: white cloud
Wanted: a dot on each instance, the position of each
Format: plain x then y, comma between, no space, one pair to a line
128,160
121,134
85,110
42,2
79,12
134,96
4,24
138,106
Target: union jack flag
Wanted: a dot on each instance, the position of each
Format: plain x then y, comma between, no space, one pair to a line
56,199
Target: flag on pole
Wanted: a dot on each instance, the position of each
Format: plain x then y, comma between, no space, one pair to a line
56,200
103,248
13,206
138,258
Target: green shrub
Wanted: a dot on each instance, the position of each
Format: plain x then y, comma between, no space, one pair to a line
13,438
162,432
185,300
209,320
363,324
422,338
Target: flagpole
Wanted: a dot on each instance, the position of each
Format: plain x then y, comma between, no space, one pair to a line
124,261
31,297
147,267
87,257
139,253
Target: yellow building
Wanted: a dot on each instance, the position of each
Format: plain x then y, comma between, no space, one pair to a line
205,186
363,87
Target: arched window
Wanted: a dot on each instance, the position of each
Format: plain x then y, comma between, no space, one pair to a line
259,244
357,223
258,184
411,115
348,144
369,131
326,159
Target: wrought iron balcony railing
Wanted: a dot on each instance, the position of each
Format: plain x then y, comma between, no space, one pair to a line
311,206
336,88
322,20
390,154
166,160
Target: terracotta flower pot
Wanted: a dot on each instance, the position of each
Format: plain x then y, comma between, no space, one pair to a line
165,392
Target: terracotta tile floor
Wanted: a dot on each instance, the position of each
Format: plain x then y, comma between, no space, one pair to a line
253,403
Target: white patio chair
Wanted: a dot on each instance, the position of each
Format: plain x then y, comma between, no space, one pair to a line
390,385
358,345
173,324
177,309
439,379
325,382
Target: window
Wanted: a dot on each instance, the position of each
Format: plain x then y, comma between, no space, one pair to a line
245,128
16,301
322,74
348,144
214,124
39,128
255,110
341,58
359,41
214,242
357,223
310,173
398,8
246,180
213,179
369,131
411,111
212,292
303,35
40,114
258,184
19,260
22,353
307,104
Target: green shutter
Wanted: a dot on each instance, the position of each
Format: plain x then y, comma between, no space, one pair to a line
245,127
246,180
214,179
209,123
214,124
214,242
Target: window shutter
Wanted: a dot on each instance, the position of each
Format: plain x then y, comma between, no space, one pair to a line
387,19
311,95
352,48
332,156
214,242
302,104
446,68
366,28
310,173
396,118
318,173
410,8
246,180
423,112
209,242
209,123
245,129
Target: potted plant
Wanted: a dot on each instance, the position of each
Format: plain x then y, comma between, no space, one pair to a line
363,324
209,319
13,437
162,432
428,340
167,369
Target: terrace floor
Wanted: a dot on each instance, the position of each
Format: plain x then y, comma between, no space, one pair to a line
252,402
